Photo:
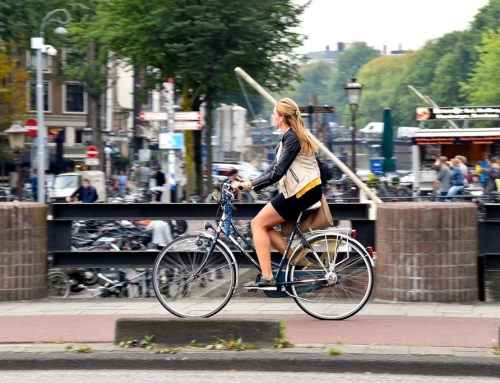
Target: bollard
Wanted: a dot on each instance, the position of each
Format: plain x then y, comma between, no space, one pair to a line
427,252
23,251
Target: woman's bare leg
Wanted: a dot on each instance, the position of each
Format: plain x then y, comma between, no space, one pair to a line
267,218
278,242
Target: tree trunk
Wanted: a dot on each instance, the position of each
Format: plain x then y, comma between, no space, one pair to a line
208,140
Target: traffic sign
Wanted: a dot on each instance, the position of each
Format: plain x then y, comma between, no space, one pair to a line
153,116
187,116
32,126
187,125
171,141
92,152
91,161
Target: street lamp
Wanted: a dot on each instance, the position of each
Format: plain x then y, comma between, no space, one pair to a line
108,137
38,43
353,95
87,135
17,136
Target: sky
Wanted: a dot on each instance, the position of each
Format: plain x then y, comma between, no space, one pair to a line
383,22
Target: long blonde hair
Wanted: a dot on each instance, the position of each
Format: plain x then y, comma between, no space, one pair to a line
287,108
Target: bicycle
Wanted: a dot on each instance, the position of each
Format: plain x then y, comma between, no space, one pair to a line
58,284
329,274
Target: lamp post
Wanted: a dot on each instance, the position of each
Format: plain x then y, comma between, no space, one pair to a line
38,43
17,136
87,135
108,136
353,95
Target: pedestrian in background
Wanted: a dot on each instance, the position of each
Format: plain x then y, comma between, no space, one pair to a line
34,184
162,235
462,163
325,173
143,176
85,193
122,184
160,181
457,179
493,173
442,184
485,164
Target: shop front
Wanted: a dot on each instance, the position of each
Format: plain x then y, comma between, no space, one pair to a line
429,144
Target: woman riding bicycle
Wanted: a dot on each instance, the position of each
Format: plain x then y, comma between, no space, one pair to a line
297,171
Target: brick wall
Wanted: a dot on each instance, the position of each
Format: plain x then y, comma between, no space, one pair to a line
23,251
426,252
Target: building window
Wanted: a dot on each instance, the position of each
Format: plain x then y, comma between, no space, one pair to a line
78,136
46,96
31,62
74,98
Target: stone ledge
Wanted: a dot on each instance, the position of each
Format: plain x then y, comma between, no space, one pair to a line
180,332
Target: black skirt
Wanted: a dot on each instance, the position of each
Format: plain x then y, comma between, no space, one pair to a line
290,208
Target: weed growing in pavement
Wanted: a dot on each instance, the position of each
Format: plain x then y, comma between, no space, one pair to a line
147,342
282,341
69,347
166,350
231,345
59,341
195,344
309,346
496,351
339,342
83,349
128,343
335,351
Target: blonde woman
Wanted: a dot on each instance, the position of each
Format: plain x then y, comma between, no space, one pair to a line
297,171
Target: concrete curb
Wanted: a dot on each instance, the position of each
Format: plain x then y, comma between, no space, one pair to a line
180,332
257,361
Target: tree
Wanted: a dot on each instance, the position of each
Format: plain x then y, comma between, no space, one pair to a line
314,80
13,98
346,66
483,87
200,42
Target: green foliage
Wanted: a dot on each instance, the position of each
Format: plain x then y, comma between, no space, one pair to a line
166,350
128,343
282,341
83,349
335,351
147,342
231,345
315,77
195,344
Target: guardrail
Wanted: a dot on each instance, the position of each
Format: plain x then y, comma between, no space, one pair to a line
59,228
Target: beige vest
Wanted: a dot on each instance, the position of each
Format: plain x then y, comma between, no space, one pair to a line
303,170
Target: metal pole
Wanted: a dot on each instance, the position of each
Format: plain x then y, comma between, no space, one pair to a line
41,128
353,143
171,152
18,154
343,168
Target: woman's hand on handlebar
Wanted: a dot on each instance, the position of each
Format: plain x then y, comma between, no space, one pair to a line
245,185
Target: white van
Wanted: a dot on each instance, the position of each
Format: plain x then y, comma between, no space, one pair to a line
406,133
66,183
372,130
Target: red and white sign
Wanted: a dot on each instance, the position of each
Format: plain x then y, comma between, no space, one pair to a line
32,126
188,125
187,116
153,116
92,152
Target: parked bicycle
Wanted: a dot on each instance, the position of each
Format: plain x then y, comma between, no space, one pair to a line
329,275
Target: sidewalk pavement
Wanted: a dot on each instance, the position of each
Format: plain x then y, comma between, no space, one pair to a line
382,333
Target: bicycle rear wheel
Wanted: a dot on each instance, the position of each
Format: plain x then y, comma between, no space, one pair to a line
337,282
184,295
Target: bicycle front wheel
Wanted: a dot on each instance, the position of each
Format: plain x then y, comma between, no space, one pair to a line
337,280
58,285
182,292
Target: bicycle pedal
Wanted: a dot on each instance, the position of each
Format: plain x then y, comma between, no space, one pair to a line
252,290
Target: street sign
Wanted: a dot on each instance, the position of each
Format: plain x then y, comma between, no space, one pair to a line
317,109
171,141
144,154
91,161
32,126
187,116
187,125
153,116
92,152
458,113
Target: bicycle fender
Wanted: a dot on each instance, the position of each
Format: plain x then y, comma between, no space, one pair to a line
222,244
